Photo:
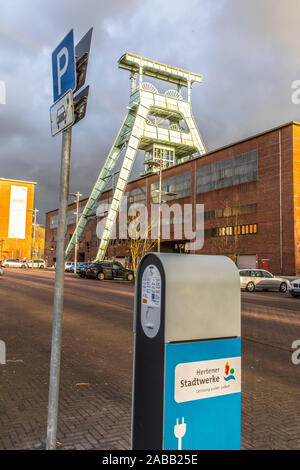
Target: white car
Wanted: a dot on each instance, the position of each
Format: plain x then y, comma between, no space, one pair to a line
14,263
295,288
37,263
68,265
259,279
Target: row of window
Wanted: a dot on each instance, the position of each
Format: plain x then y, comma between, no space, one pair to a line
179,185
230,211
71,218
227,173
248,229
136,195
256,273
87,245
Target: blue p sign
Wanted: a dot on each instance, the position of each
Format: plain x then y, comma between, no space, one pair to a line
63,67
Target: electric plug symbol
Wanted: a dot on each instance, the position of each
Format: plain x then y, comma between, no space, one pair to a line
179,432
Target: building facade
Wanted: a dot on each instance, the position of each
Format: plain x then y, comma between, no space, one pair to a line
16,211
250,192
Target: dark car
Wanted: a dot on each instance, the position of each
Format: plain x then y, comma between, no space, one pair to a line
81,270
79,265
109,270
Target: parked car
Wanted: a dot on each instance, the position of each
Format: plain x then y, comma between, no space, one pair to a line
68,265
14,263
295,288
81,271
259,279
109,270
37,263
1,270
79,265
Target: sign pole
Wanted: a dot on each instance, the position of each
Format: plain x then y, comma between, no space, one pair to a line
58,293
76,242
34,230
68,77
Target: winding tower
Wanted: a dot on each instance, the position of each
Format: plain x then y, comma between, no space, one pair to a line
160,124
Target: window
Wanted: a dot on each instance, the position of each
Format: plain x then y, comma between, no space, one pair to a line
267,274
180,185
53,221
231,230
256,274
136,195
245,273
233,171
230,211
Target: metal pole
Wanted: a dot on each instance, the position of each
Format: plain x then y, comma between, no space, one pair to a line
33,247
32,238
159,204
58,292
34,228
76,239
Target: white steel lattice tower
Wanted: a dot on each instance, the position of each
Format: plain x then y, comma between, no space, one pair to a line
160,124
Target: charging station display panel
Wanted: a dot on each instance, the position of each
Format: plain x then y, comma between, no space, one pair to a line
202,407
151,300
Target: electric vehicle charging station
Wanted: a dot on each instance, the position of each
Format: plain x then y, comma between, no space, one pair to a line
187,354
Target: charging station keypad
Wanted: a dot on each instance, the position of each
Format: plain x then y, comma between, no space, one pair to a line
150,301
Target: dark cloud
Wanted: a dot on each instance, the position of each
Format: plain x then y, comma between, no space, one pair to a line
246,50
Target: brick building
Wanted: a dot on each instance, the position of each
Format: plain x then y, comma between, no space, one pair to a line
251,196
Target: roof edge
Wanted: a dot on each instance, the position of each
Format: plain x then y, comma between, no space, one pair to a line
18,181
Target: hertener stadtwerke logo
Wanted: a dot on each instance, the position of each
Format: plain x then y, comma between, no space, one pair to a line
227,371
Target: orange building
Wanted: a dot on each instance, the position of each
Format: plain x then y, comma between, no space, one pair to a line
16,206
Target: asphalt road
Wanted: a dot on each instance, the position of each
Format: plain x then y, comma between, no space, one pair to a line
97,347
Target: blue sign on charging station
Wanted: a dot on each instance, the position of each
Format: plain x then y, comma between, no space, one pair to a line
63,67
202,397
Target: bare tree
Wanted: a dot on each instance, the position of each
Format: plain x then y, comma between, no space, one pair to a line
226,237
140,242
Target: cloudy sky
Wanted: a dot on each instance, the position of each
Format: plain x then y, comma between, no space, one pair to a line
248,52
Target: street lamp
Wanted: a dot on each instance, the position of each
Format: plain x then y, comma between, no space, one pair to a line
34,229
77,196
159,164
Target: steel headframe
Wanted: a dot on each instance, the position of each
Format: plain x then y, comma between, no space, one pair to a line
142,129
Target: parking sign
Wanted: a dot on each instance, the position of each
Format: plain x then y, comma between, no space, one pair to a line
63,67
